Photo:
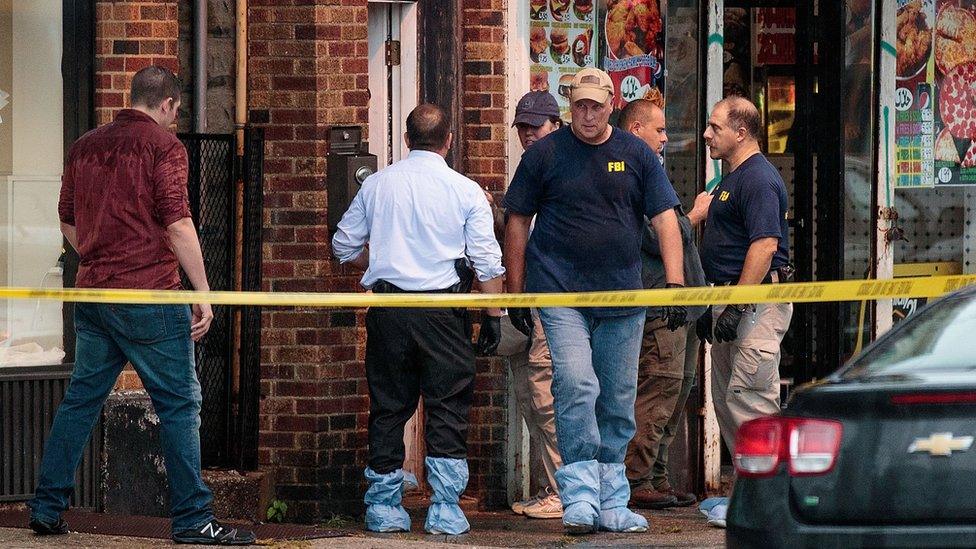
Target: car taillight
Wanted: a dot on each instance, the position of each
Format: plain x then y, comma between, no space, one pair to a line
807,446
814,444
758,446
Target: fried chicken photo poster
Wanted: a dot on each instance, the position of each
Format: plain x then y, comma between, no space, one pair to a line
634,53
560,43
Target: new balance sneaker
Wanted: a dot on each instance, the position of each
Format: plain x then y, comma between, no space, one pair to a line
42,528
549,507
212,533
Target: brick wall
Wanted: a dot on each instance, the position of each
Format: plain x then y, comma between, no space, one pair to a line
128,37
308,70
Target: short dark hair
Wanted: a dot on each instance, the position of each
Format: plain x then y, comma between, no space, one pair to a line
638,110
742,113
428,128
153,85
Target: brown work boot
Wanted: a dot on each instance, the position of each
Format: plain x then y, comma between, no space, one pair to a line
645,497
683,499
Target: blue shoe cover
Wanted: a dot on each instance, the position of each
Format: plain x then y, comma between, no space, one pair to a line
383,510
579,489
716,516
706,505
447,478
614,495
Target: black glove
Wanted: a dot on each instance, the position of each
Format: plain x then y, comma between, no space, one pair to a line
522,320
703,327
675,315
490,335
727,325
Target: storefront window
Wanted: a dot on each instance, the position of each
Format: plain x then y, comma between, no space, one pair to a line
858,118
682,85
31,153
935,141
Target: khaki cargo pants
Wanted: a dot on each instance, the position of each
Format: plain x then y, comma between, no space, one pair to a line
660,386
745,372
532,383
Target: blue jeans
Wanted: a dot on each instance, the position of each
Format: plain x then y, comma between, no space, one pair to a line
156,340
594,381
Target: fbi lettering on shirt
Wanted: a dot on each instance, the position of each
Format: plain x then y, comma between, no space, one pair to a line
616,166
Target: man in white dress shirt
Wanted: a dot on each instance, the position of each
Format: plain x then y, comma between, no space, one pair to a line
423,221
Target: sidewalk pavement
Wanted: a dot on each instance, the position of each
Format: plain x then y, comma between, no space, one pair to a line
684,527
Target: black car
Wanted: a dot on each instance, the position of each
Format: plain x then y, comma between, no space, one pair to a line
881,453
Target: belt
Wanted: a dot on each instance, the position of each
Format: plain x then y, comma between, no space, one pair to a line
384,287
779,275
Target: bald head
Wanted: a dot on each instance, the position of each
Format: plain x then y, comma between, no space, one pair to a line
733,131
742,114
640,111
428,129
645,119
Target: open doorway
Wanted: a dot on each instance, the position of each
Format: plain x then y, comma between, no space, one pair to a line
809,68
393,85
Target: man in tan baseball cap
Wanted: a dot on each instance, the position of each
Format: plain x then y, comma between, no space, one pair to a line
590,103
591,83
591,189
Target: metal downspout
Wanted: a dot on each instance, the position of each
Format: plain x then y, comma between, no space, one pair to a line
200,66
240,121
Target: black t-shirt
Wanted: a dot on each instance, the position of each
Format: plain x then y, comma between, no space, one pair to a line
590,202
750,203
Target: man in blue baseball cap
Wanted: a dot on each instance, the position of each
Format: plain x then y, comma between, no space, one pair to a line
536,116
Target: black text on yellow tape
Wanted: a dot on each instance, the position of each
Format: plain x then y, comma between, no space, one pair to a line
802,292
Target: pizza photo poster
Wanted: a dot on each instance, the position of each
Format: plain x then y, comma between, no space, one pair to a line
954,45
633,34
914,101
561,42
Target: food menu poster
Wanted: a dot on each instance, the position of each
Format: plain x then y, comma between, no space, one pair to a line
561,42
935,93
914,101
633,49
954,70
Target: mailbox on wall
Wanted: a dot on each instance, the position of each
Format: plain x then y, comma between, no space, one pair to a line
348,166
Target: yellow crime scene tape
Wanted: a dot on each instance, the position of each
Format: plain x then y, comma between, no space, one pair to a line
800,292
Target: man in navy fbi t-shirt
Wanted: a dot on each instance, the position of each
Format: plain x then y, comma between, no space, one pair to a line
746,241
589,187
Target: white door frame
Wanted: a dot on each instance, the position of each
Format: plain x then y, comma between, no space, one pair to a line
714,73
398,21
884,251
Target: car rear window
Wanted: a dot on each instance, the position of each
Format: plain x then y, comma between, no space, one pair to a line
940,338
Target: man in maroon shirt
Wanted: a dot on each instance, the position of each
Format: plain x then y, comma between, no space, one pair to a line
124,207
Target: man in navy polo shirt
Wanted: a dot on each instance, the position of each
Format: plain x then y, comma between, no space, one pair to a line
590,186
746,241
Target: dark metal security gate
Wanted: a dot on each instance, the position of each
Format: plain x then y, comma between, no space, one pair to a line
228,364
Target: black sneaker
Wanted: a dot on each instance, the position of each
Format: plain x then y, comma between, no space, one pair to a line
212,533
42,528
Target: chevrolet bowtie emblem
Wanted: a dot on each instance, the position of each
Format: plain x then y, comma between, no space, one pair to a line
941,444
